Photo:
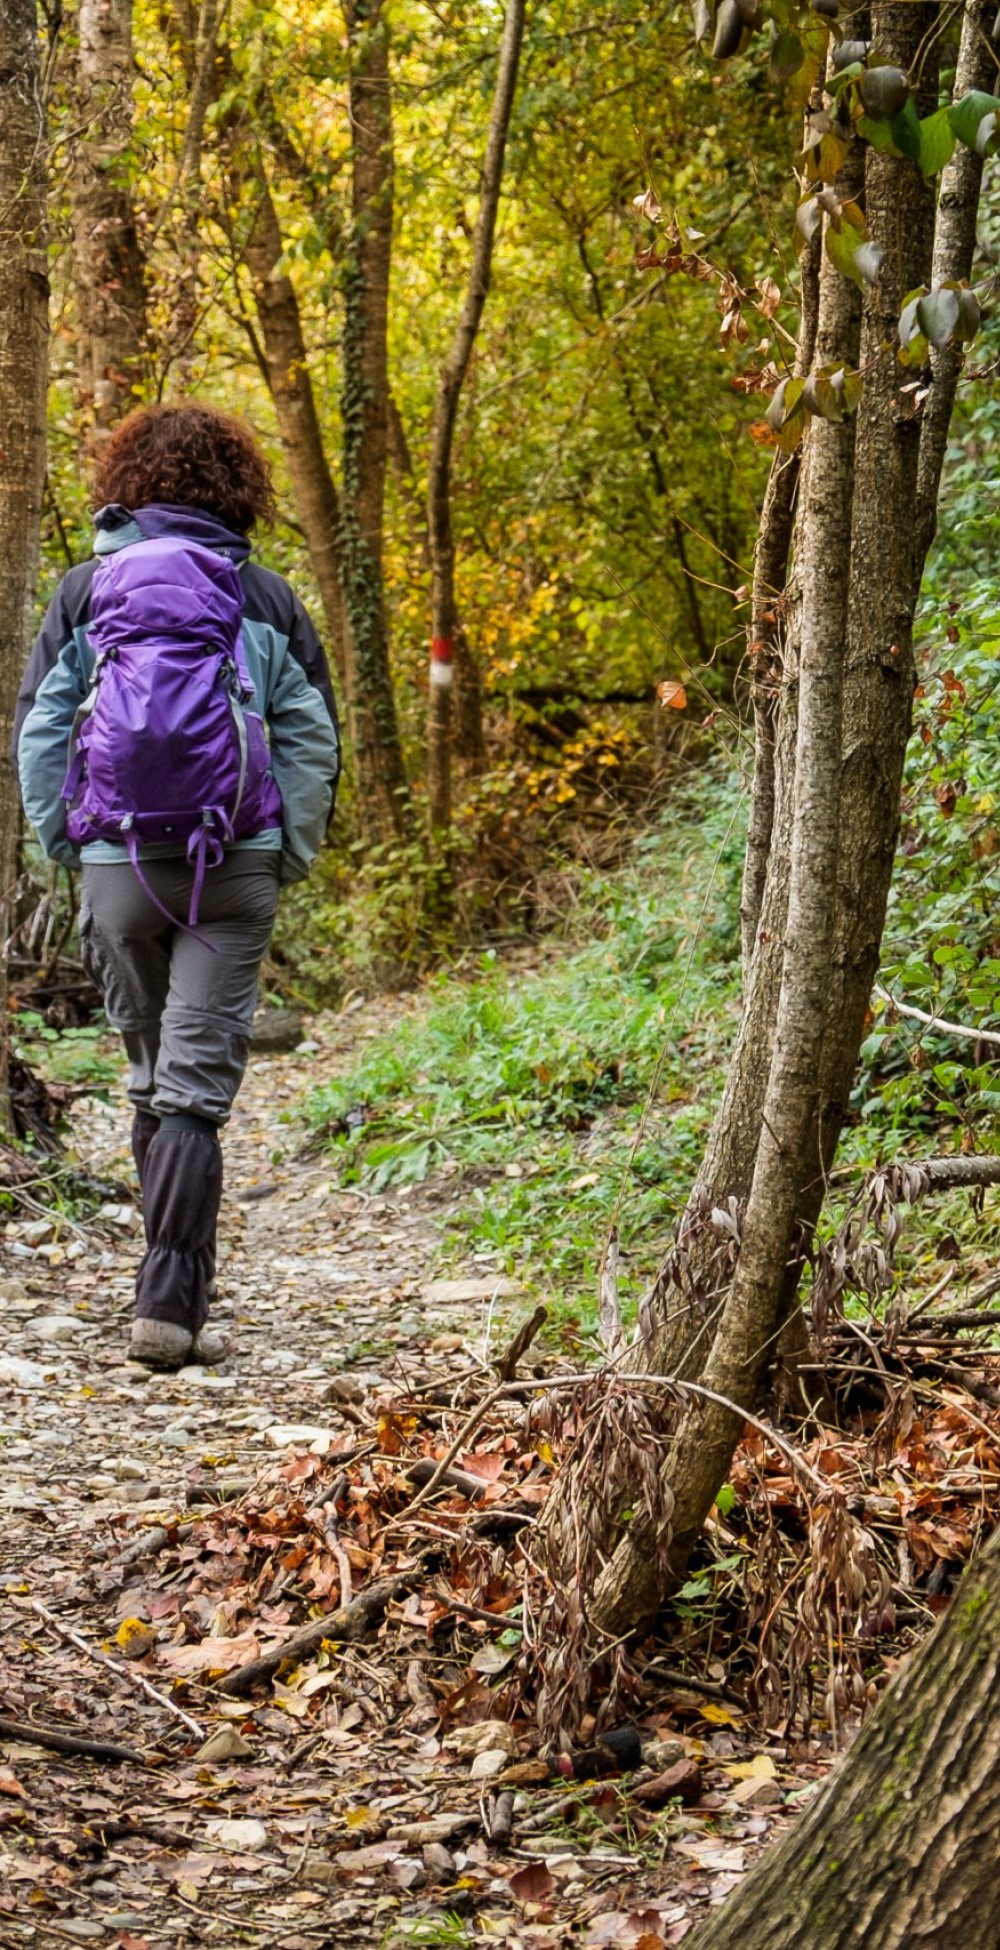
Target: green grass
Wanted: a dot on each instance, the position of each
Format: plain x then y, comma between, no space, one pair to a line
86,1056
530,1090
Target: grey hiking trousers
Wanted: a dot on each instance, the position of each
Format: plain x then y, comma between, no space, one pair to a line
183,1011
183,1003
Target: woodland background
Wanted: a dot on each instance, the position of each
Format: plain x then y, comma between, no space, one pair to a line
290,214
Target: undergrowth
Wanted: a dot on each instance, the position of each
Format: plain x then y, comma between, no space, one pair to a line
546,1093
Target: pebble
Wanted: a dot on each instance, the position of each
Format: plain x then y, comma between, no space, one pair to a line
23,1374
237,1834
438,1861
35,1231
757,1794
488,1764
60,1327
484,1736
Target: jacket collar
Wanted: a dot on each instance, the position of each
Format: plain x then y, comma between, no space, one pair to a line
117,527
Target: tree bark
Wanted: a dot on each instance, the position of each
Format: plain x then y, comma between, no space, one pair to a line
679,1316
23,366
898,1849
286,369
441,539
639,1574
383,801
885,578
767,621
109,268
954,250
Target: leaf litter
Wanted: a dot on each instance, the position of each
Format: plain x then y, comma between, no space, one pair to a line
395,1787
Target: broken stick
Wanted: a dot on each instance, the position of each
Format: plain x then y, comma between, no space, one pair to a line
121,1672
505,1364
351,1621
66,1743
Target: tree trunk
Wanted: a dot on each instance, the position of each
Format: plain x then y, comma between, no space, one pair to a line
23,364
635,1580
286,370
767,628
954,249
383,802
899,1847
439,528
200,57
830,853
108,264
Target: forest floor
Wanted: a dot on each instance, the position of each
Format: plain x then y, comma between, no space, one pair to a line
172,1522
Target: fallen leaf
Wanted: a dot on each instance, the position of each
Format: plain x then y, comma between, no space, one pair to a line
760,1768
532,1884
210,1655
9,1784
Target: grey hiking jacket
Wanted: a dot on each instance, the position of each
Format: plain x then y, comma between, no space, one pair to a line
285,661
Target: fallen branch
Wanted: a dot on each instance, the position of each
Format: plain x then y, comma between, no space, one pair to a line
67,1743
349,1622
147,1831
120,1672
949,1174
467,1429
427,1473
148,1542
500,1821
937,1022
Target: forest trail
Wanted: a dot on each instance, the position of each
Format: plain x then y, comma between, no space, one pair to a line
348,1820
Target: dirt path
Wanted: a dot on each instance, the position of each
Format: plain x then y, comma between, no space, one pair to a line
344,1814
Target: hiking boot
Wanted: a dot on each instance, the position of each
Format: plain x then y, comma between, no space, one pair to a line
160,1344
209,1348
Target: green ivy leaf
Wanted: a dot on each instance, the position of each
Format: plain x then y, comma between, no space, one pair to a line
905,129
937,142
967,116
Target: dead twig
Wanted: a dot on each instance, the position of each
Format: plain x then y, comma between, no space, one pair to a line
349,1622
121,1672
505,1364
67,1743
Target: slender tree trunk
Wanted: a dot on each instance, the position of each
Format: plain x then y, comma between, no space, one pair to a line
201,59
833,854
634,1581
677,1336
767,621
886,567
286,369
108,263
439,526
383,800
899,1847
23,365
954,250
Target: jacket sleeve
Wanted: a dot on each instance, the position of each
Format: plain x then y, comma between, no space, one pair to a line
305,759
56,681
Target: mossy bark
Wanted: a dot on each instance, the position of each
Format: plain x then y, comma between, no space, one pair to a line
383,802
286,370
899,1848
108,264
23,364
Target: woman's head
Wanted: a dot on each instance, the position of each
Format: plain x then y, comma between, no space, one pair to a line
189,456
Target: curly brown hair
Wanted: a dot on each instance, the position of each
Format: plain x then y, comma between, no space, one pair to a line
189,456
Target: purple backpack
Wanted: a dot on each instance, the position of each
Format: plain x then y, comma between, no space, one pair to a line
165,749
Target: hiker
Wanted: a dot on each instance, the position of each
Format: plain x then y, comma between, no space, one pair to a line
143,758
